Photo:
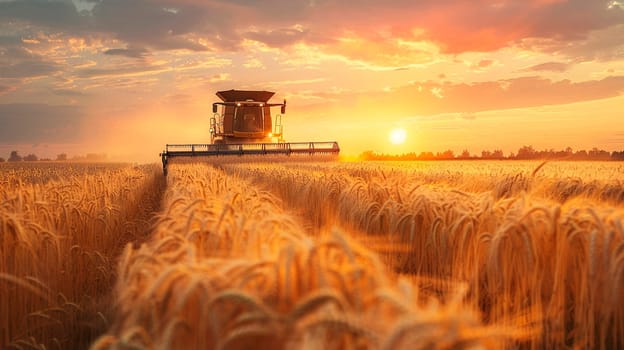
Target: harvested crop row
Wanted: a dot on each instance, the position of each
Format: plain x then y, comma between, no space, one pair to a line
58,244
524,258
227,268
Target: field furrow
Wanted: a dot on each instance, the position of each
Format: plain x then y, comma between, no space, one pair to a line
227,267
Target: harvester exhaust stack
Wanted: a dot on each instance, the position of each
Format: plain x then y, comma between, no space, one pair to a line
246,127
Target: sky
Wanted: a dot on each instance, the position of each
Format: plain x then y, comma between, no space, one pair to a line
126,77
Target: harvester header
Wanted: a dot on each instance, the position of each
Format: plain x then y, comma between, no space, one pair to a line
245,126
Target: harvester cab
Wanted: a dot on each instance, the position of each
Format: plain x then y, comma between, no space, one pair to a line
245,126
246,118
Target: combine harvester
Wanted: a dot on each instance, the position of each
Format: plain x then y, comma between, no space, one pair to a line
245,127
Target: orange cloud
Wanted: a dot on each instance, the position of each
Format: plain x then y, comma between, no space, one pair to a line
431,98
6,89
379,27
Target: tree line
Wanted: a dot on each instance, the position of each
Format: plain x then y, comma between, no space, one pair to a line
523,153
16,157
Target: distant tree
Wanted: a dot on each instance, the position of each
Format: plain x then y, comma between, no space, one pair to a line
15,157
617,155
546,154
498,154
31,158
582,154
596,153
61,157
448,154
426,156
465,154
526,152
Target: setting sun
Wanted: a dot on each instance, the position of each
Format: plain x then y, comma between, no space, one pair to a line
398,136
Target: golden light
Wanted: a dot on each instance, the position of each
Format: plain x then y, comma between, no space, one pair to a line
398,136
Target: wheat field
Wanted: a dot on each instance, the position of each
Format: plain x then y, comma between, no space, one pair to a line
315,255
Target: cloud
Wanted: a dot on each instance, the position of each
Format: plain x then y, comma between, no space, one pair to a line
600,45
296,82
437,92
278,37
549,66
254,63
6,88
385,31
468,116
526,92
219,78
129,52
140,23
34,123
179,99
122,70
462,26
10,41
18,62
52,14
433,98
162,25
484,63
68,93
27,69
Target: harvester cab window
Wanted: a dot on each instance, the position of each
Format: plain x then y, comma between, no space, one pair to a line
249,118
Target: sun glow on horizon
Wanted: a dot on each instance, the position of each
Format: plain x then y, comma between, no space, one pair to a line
397,136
